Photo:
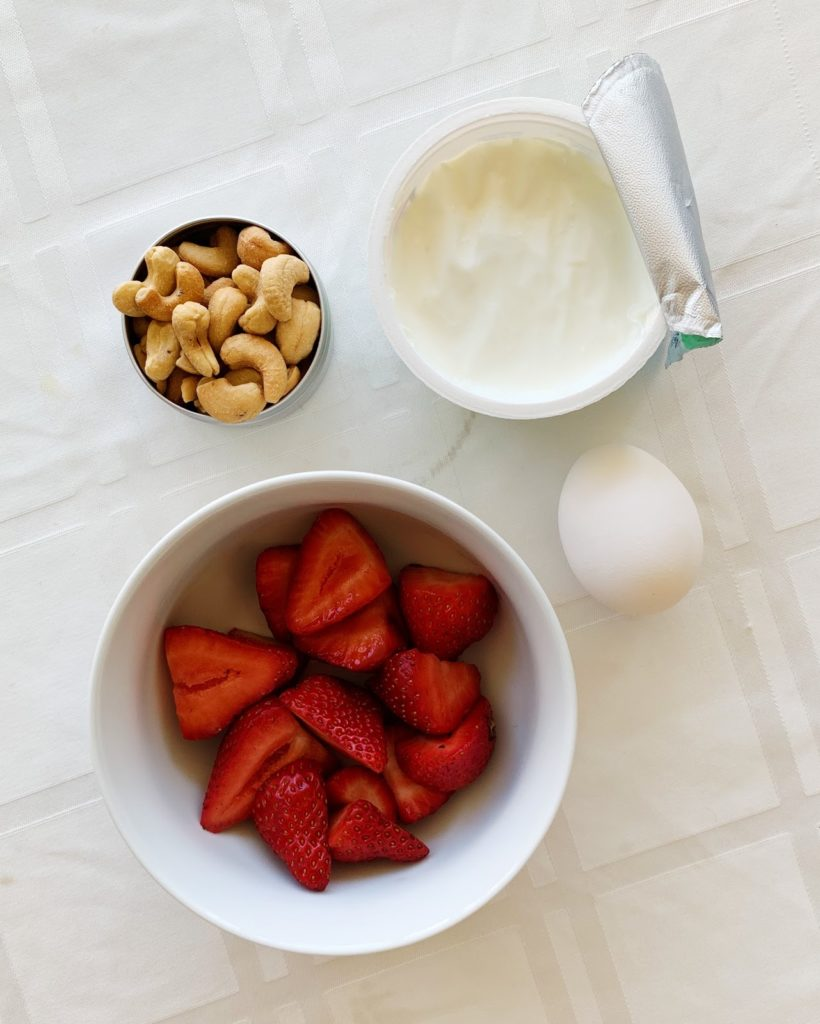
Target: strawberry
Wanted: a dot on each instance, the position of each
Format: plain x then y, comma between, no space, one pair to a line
446,611
357,783
252,638
274,571
216,676
413,800
263,739
451,762
339,570
429,694
361,832
290,813
343,715
361,642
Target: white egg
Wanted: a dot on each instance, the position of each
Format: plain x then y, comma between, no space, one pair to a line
630,529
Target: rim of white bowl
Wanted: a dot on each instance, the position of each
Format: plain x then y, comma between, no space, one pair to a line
423,151
141,848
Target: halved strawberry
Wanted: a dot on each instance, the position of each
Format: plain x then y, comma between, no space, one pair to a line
252,638
446,611
427,693
361,642
361,832
263,739
343,715
274,571
451,762
340,570
413,800
290,813
358,783
216,676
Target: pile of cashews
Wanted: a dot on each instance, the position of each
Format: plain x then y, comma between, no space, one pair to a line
223,327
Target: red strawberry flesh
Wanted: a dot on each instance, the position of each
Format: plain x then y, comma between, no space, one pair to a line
451,762
340,569
290,813
274,571
359,783
446,611
361,832
363,641
343,715
413,800
427,693
263,739
216,676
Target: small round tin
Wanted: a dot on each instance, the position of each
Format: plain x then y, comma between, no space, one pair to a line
311,368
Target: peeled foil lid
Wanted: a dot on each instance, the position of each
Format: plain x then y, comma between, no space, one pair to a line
629,111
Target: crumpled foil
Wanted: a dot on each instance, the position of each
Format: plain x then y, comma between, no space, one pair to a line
629,111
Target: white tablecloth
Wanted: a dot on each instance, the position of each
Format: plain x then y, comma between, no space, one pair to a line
680,884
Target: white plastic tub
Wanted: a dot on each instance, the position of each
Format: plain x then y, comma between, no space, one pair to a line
483,122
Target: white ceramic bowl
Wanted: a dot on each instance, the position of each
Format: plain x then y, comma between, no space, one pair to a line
153,780
502,118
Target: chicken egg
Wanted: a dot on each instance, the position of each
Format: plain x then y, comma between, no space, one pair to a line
630,529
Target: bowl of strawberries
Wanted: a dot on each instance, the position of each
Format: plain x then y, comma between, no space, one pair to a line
333,713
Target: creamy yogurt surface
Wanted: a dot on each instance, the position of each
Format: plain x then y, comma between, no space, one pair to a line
515,272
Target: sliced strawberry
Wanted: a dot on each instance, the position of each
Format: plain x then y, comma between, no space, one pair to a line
451,762
358,783
290,813
252,638
429,694
216,676
343,715
262,740
413,800
340,570
274,571
362,642
361,832
446,611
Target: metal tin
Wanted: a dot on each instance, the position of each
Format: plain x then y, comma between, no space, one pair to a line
318,358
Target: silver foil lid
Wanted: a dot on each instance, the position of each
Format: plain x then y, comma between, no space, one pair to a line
629,111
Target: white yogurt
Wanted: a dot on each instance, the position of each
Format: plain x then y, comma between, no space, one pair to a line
515,272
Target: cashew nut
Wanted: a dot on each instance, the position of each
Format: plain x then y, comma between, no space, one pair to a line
140,354
184,364
140,325
123,298
226,307
215,260
213,288
160,264
230,403
190,323
257,319
244,375
189,288
297,336
294,376
246,350
161,386
173,385
161,350
255,246
277,279
188,388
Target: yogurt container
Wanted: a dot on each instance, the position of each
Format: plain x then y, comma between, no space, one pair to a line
503,267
